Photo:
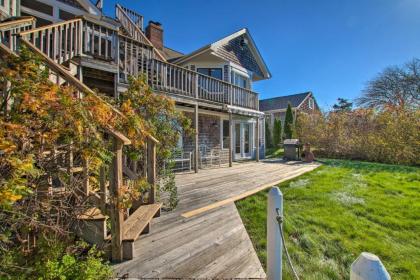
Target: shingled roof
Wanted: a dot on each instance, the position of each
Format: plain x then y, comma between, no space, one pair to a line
278,103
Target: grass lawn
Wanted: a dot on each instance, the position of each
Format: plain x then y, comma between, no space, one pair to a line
274,152
341,209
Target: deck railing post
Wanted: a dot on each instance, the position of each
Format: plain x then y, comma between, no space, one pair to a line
274,242
196,151
257,142
151,169
117,214
230,139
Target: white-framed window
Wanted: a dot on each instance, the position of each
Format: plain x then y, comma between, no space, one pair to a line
311,103
239,80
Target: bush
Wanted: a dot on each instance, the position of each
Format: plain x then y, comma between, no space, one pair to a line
55,260
389,136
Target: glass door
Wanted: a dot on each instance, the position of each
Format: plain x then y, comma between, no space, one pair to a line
243,143
246,150
238,140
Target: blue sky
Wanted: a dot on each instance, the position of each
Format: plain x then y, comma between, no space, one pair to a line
328,47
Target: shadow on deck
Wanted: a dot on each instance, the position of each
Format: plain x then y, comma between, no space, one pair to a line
204,237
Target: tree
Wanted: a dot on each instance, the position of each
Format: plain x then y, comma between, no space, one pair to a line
288,122
268,138
342,105
396,88
277,133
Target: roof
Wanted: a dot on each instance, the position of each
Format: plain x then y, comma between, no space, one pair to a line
281,102
171,54
217,44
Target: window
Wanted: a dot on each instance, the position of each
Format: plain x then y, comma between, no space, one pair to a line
239,80
2,3
311,103
226,132
212,72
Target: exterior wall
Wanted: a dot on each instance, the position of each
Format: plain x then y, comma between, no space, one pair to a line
209,135
60,10
239,54
305,106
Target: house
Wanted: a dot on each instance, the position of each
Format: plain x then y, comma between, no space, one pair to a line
212,85
275,108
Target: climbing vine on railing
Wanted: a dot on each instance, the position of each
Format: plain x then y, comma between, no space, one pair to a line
40,122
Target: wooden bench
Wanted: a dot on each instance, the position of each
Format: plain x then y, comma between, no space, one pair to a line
137,223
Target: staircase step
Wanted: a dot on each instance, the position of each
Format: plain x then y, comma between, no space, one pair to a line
91,226
137,223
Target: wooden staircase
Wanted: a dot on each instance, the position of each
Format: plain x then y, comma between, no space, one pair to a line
58,45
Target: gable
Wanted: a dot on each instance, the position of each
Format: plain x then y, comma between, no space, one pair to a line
235,50
281,102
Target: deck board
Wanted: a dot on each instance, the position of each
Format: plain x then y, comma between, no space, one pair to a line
212,243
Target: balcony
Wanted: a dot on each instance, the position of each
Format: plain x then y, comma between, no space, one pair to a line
85,37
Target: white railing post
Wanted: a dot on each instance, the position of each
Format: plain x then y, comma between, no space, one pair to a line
274,242
368,267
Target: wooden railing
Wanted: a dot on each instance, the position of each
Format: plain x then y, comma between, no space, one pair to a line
99,40
133,30
9,30
60,42
136,18
134,58
177,80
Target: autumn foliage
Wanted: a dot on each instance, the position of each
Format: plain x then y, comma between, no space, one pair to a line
389,136
39,122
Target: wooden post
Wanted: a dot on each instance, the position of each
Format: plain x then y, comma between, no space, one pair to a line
151,169
257,132
274,242
117,213
70,163
196,151
85,177
102,186
230,140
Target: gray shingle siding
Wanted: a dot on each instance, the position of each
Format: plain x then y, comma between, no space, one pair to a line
242,55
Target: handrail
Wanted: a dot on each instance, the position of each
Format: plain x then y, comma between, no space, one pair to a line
121,9
62,23
9,30
17,22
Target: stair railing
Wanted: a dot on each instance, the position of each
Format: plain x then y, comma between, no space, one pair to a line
9,29
60,42
134,30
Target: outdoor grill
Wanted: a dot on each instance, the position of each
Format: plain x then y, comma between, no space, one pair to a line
291,149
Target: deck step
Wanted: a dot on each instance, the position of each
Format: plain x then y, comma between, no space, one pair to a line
137,223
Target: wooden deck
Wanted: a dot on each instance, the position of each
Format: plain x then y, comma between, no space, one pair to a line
204,237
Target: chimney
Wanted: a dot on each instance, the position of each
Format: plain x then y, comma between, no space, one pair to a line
154,32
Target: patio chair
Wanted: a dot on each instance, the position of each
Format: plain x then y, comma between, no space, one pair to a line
184,159
207,154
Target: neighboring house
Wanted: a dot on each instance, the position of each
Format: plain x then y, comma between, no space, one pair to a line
212,85
275,108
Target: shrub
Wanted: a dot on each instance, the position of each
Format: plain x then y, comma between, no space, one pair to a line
268,138
288,122
277,133
390,136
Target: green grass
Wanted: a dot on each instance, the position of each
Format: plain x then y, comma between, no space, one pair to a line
341,209
274,152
